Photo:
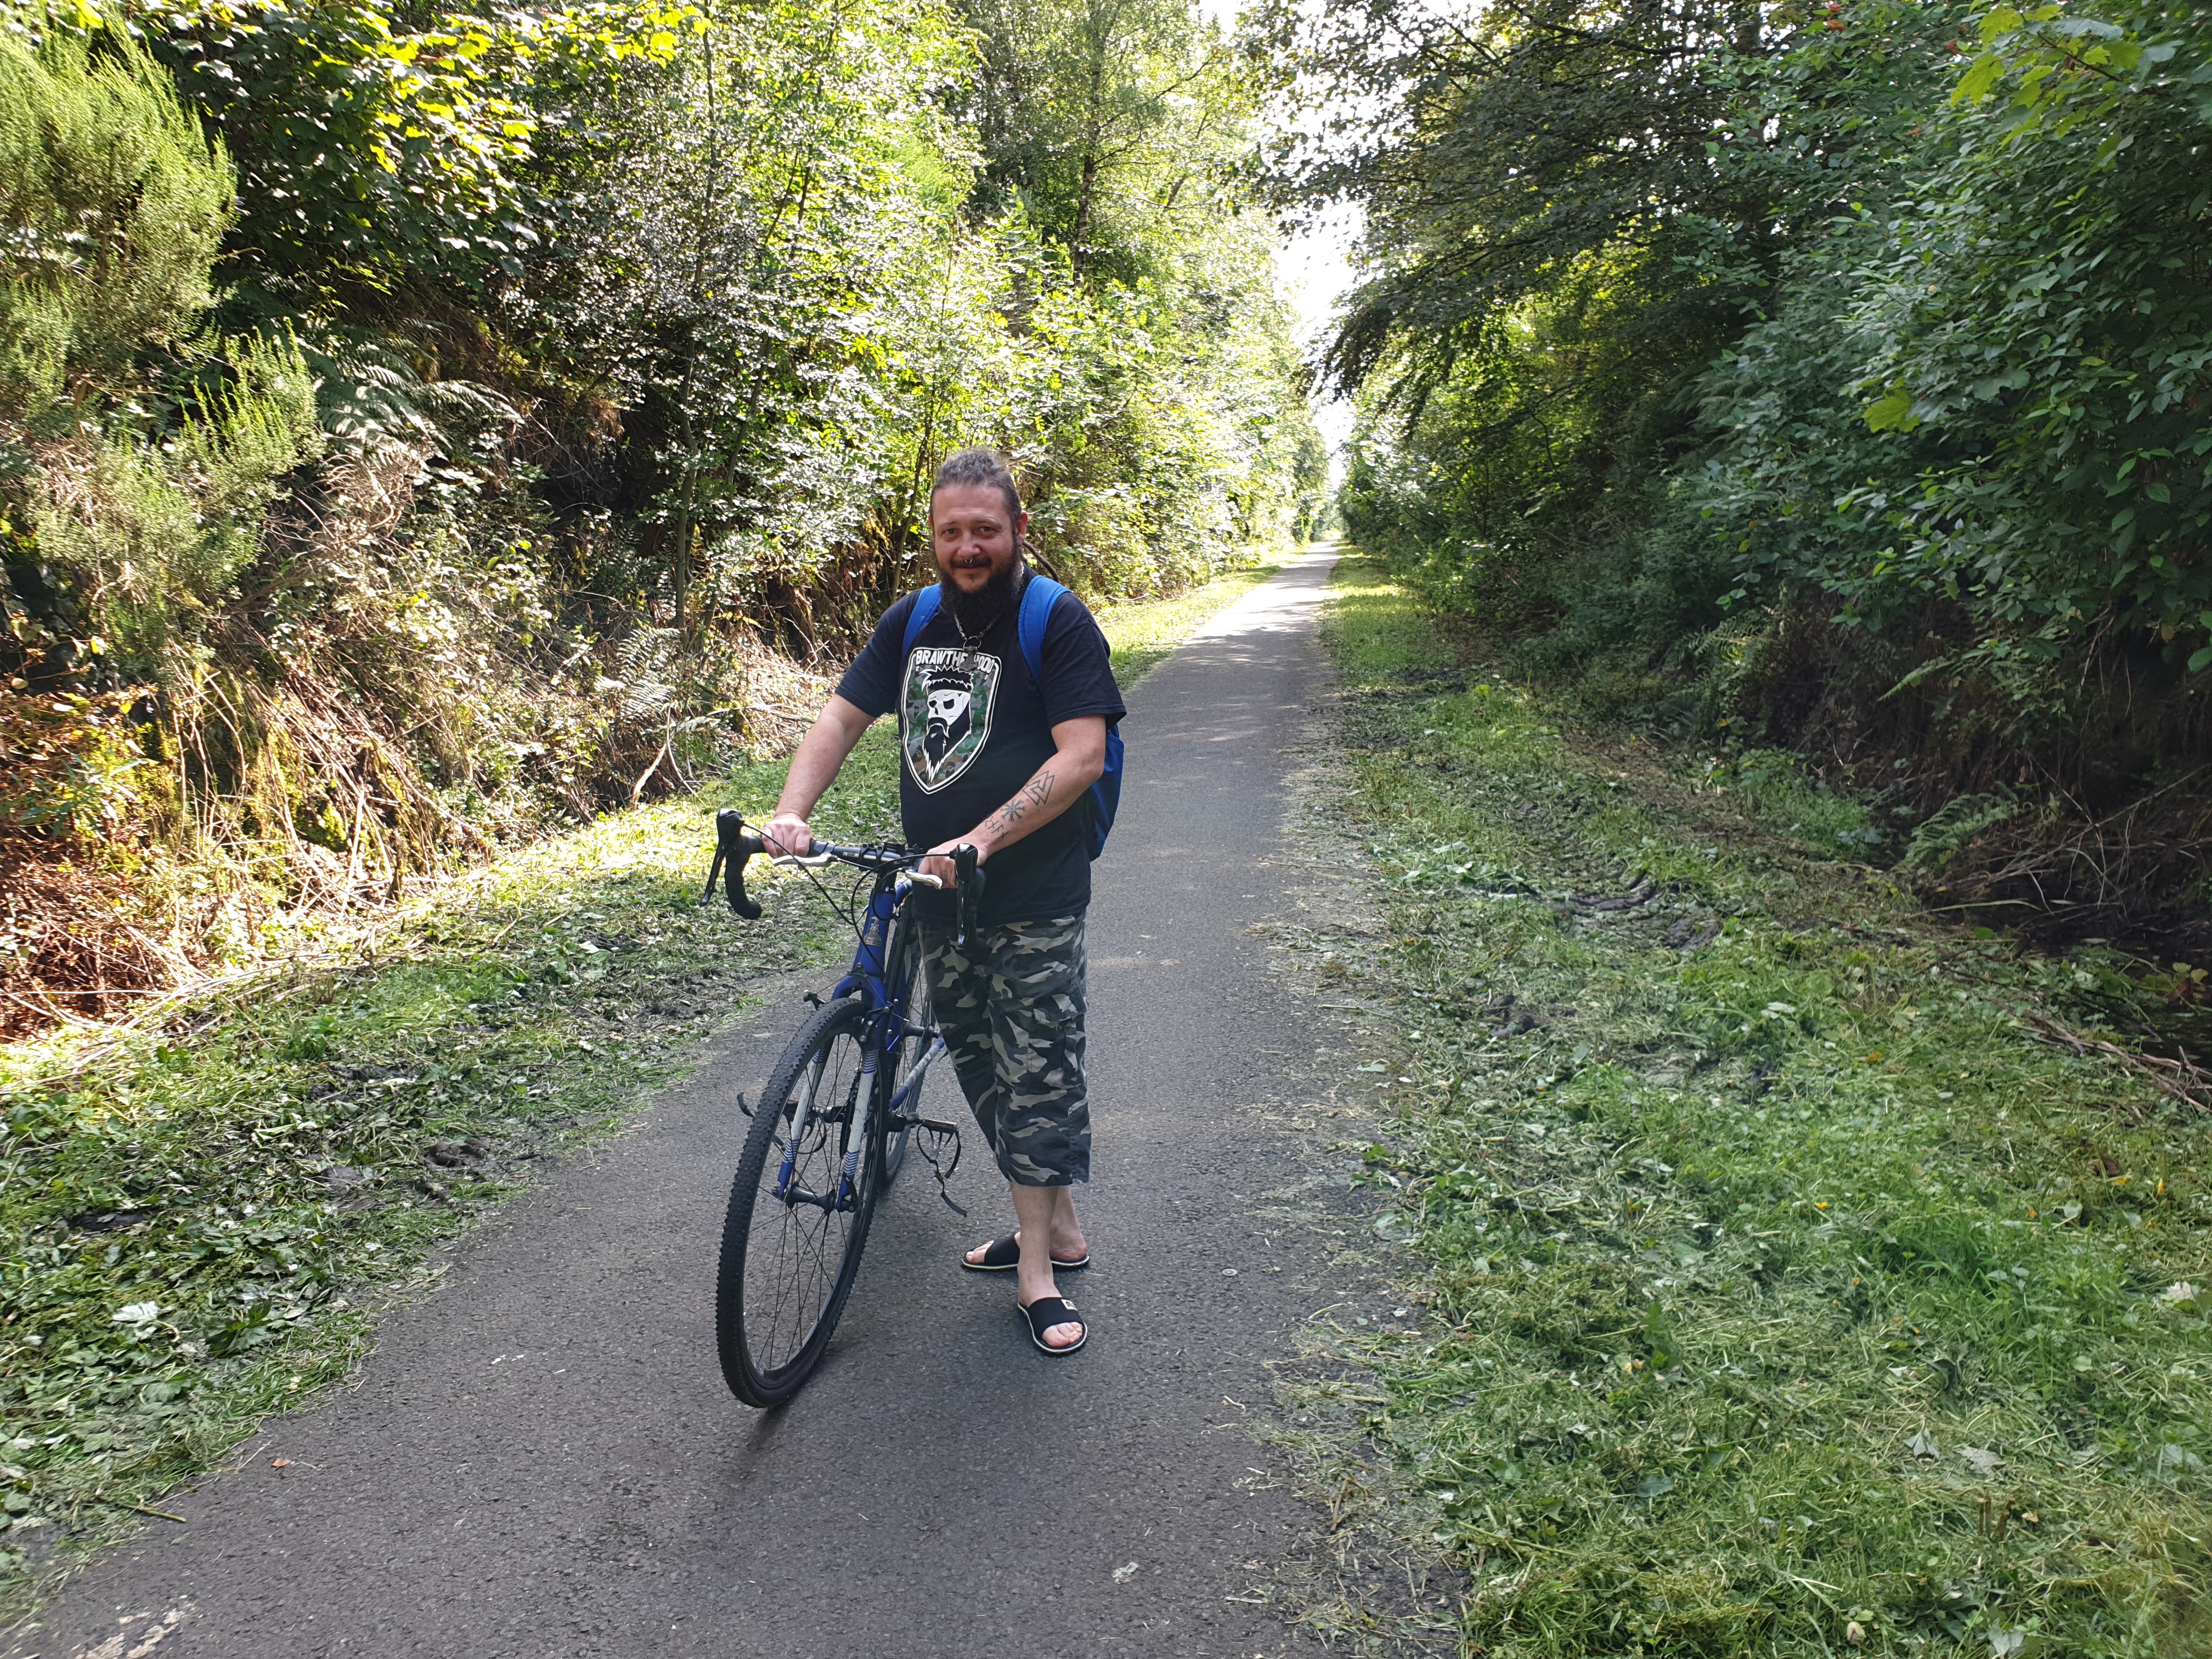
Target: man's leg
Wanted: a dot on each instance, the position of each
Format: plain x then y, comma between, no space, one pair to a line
1045,1213
964,983
1043,1142
1067,1243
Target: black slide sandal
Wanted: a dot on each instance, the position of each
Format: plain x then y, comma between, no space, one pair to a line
1003,1255
1047,1311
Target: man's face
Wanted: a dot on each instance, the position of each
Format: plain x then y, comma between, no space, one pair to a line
972,535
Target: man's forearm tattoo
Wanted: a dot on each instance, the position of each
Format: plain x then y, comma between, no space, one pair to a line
1036,793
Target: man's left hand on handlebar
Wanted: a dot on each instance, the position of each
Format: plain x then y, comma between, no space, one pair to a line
939,862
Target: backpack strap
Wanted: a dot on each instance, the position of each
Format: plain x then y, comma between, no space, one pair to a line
1037,601
1038,597
925,606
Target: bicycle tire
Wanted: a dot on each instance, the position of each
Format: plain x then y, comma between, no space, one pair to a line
787,1267
906,963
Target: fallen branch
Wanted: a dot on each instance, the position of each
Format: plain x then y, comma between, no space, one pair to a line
126,1504
2182,1078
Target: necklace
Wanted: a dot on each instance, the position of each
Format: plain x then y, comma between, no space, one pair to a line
973,645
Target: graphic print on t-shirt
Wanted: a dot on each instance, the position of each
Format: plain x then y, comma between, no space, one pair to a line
944,712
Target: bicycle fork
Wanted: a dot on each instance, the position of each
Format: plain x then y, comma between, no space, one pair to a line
849,1170
843,1199
848,1178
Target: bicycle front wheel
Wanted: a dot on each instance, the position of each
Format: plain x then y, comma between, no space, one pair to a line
907,982
805,1191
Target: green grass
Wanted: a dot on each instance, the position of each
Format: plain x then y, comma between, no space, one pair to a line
1780,1295
177,1261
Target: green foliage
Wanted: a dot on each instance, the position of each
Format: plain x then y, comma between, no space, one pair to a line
154,534
2023,339
1908,369
375,155
111,205
571,373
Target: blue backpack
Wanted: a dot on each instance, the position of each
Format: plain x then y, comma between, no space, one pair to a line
1037,601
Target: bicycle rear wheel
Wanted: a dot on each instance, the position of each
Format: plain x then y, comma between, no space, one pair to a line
805,1191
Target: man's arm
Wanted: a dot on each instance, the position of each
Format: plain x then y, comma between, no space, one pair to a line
1078,761
813,770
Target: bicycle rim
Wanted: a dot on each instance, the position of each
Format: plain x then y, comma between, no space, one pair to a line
800,1210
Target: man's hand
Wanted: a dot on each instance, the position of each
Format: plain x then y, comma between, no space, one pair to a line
787,832
939,862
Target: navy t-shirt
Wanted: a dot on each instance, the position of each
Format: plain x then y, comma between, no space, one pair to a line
970,738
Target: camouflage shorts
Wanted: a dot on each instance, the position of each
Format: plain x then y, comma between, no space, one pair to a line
1011,1007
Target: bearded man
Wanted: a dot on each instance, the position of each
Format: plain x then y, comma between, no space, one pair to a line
1002,761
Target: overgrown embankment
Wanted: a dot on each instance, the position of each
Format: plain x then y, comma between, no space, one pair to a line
1840,387
510,454
1787,1272
204,1207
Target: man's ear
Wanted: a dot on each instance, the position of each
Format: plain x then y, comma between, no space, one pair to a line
1021,527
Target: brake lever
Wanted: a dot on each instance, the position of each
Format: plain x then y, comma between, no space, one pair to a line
968,887
734,846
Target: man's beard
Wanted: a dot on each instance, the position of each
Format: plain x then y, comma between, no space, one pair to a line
975,612
940,740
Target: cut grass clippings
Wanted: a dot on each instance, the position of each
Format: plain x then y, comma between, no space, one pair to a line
204,1209
1773,1287
202,1222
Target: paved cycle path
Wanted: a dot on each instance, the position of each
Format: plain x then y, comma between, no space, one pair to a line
541,1459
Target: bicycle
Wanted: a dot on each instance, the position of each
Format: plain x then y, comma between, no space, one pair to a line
830,1131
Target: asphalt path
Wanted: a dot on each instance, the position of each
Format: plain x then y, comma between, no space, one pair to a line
541,1460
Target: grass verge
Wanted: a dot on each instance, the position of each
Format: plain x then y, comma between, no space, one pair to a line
1770,1287
203,1216
204,1211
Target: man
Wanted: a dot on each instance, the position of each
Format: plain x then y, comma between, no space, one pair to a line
994,758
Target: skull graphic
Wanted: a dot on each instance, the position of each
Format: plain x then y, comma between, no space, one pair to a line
950,697
946,706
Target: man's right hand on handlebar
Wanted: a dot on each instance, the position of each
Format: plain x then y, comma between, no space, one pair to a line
787,832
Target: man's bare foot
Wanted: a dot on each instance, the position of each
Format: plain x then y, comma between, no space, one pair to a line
1002,1255
1060,1338
1048,1212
